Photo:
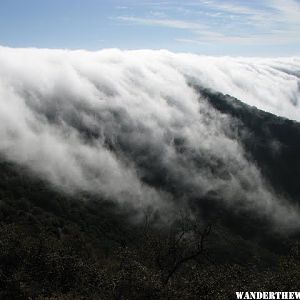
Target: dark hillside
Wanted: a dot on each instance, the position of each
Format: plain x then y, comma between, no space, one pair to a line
55,245
273,142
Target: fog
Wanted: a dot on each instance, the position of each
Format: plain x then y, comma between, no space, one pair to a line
128,125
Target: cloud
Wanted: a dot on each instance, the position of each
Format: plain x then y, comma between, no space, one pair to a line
128,126
288,11
172,23
231,7
270,22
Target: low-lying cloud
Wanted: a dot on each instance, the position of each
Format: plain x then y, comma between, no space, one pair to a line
127,125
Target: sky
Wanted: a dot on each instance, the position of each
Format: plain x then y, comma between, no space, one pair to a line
209,27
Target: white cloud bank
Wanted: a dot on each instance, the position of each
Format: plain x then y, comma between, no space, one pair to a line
111,121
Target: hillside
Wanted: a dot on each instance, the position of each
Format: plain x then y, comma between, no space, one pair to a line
63,244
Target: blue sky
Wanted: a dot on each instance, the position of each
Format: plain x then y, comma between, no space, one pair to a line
212,27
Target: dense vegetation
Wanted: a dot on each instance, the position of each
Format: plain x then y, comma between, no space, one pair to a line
272,142
55,245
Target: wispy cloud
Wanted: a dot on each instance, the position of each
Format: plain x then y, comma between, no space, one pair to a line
287,11
214,21
172,23
121,7
230,7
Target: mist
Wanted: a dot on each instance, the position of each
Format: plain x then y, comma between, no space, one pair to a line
130,127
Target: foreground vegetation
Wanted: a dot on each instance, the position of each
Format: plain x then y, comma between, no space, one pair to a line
57,246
